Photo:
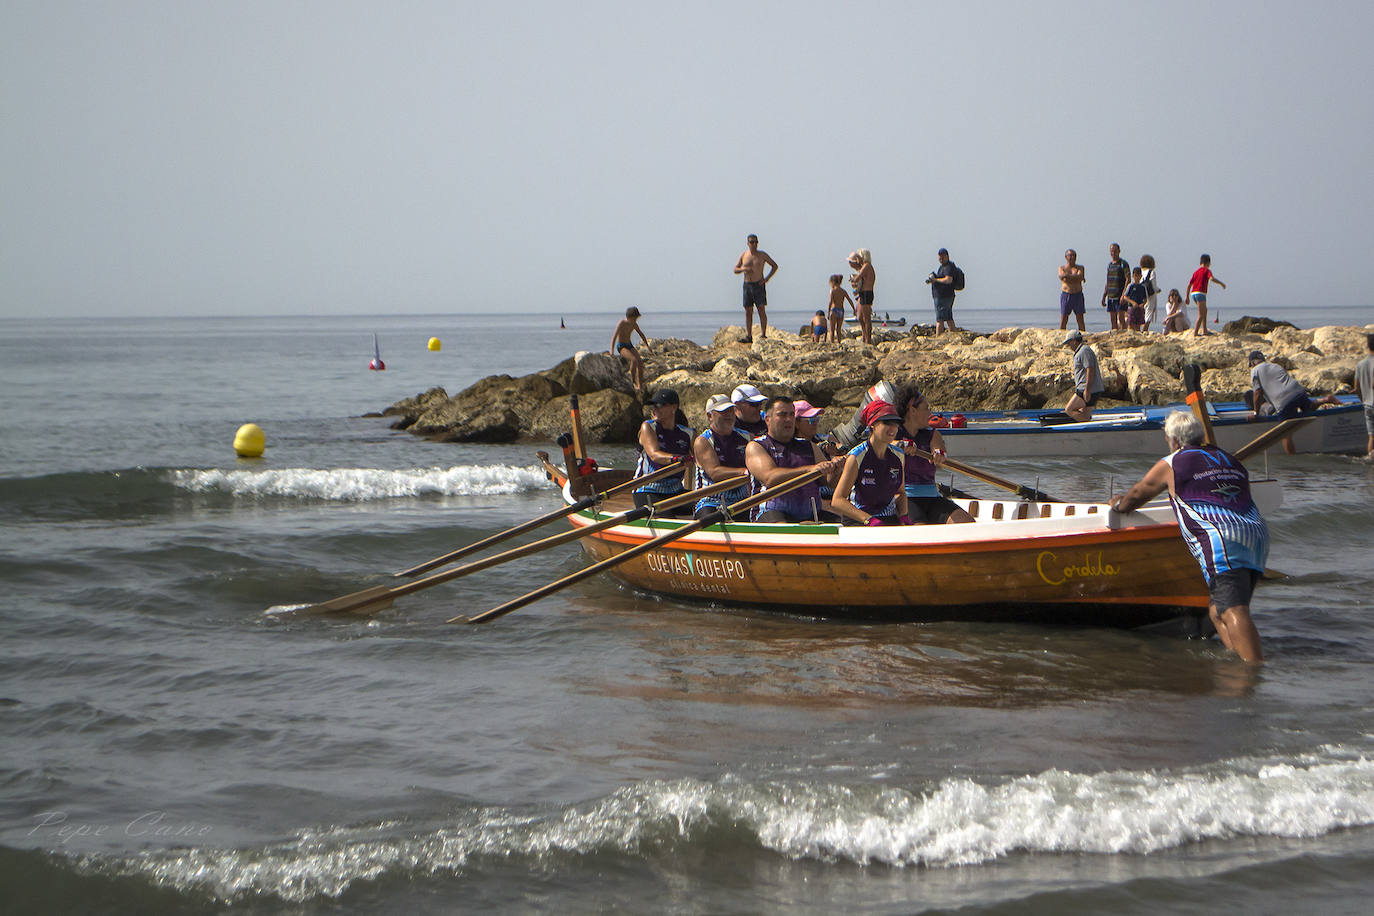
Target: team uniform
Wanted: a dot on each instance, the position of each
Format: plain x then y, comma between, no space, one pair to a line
879,480
796,505
730,453
1219,521
675,440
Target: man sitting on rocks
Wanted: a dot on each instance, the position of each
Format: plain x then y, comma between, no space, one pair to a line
779,456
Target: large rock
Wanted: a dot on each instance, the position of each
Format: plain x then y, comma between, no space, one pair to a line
597,370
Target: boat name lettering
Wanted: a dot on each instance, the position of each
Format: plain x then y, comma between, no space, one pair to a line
686,564
1091,568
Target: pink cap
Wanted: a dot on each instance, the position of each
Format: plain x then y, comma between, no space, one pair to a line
805,411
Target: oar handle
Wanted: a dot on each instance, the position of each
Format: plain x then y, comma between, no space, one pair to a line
1021,490
711,518
1270,436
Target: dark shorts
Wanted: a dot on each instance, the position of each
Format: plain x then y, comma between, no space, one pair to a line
1114,304
944,309
1071,303
1233,588
865,297
1369,419
1296,408
755,294
1091,399
930,510
777,515
622,345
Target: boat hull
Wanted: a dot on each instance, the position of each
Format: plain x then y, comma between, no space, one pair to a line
1134,431
1073,569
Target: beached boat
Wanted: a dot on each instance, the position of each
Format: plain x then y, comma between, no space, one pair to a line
1139,431
1070,563
879,322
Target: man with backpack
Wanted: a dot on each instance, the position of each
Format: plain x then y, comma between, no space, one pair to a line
944,282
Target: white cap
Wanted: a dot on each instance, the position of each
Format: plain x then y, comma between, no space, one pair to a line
748,393
719,403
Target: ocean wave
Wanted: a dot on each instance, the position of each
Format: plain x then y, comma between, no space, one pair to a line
361,484
957,822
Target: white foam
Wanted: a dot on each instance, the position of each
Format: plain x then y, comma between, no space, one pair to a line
360,484
958,822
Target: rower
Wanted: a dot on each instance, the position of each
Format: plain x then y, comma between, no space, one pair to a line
870,488
925,505
748,400
662,441
719,452
778,456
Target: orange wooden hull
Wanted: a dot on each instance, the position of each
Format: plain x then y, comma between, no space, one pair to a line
1077,566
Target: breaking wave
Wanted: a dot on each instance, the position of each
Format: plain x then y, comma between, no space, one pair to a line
361,484
956,822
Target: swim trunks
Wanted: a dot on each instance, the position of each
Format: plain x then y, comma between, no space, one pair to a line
865,297
1198,298
1233,588
1070,303
623,345
818,330
755,294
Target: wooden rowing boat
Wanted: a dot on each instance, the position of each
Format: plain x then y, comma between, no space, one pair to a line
1139,430
1070,563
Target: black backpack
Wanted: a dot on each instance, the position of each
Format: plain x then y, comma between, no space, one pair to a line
958,278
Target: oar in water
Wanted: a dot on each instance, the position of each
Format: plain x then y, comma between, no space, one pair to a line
1264,440
578,506
711,518
379,598
1020,490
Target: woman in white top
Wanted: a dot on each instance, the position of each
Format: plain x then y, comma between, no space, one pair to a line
1177,318
1147,276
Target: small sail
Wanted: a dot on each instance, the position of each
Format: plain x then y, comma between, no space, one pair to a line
376,363
561,324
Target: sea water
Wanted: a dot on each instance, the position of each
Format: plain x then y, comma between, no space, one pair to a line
170,746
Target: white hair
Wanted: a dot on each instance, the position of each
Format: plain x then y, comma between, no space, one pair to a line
865,255
1184,428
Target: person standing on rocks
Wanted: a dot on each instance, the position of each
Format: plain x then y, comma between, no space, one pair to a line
1071,277
864,279
1197,293
751,264
1364,387
1118,275
1087,378
622,345
1151,281
944,281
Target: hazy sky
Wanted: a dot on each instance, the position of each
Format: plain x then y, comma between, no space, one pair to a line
246,157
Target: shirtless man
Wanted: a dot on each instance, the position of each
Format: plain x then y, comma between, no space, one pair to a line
622,345
751,264
1071,277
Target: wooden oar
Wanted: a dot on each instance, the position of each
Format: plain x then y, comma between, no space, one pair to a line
711,518
1266,439
584,503
1192,384
380,597
1020,490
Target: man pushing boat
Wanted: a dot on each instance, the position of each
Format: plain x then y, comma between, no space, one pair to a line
1220,523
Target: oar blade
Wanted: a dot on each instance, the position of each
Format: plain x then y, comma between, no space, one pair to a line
367,601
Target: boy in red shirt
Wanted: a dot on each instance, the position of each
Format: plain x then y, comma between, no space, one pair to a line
1197,292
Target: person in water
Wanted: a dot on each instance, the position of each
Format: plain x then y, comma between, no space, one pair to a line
719,451
622,345
779,456
662,441
1222,526
870,491
924,502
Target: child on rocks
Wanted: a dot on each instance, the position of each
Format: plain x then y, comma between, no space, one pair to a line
838,297
1136,296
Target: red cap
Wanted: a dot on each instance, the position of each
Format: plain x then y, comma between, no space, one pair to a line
877,411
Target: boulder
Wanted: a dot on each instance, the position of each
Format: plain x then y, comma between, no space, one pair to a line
597,370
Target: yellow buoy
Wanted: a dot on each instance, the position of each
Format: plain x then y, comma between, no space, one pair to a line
249,441
434,344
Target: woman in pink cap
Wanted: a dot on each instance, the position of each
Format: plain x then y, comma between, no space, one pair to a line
870,488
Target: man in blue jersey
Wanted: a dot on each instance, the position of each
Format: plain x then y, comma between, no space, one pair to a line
1220,523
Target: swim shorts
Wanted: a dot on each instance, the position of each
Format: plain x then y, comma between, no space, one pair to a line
1115,305
622,345
865,297
818,330
1198,298
1070,303
1233,588
944,309
755,294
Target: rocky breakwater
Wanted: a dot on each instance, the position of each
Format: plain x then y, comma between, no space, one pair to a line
959,371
